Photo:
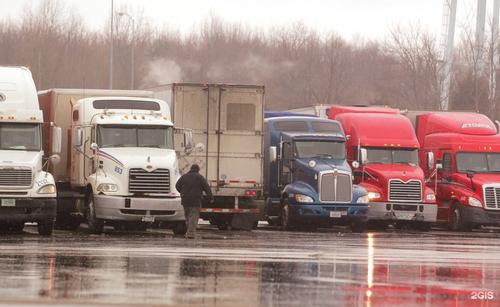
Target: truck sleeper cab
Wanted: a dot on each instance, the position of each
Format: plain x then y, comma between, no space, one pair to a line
28,193
383,150
467,150
307,180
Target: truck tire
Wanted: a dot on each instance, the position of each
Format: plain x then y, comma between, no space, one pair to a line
286,221
45,228
180,229
358,227
96,226
377,225
16,227
457,220
423,226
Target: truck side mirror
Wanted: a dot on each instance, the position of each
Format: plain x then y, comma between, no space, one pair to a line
56,139
364,155
272,154
439,166
55,159
497,125
430,160
77,137
188,140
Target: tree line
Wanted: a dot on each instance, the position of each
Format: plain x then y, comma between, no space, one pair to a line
298,65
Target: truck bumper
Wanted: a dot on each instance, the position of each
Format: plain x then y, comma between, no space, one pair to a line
479,216
118,208
420,212
28,209
338,214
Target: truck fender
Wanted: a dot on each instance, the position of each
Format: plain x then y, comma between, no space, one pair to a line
357,192
299,187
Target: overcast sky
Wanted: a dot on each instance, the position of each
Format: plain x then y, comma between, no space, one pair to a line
370,19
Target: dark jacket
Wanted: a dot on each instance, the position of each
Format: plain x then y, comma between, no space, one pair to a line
191,187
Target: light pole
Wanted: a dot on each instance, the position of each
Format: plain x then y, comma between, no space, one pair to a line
132,47
111,48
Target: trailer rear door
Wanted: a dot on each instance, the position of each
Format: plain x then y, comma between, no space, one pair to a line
228,121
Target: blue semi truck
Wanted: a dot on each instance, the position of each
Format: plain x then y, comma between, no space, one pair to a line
307,181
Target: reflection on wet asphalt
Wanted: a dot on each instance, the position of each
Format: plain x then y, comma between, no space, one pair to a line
264,267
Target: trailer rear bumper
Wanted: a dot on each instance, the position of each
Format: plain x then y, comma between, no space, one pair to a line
118,208
416,212
28,209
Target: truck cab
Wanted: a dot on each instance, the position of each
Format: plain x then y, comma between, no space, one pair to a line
383,151
121,166
467,168
308,182
28,191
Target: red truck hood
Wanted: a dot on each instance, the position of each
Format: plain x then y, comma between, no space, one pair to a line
403,172
478,179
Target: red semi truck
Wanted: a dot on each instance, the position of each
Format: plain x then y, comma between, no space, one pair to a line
467,151
382,149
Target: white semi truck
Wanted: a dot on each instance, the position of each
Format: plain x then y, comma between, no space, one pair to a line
119,164
27,192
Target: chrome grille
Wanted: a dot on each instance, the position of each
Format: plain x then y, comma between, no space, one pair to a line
405,191
492,197
144,182
335,187
16,177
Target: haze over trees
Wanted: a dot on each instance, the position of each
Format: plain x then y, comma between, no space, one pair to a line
298,65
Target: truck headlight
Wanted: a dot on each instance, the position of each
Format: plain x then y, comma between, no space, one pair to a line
47,189
430,197
107,187
474,202
303,198
364,199
373,195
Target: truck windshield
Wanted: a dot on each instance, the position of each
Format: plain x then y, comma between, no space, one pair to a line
20,136
135,136
479,162
392,156
320,149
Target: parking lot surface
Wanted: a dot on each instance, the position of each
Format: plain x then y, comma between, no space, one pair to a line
330,267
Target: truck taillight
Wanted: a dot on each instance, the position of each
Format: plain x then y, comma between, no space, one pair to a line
250,193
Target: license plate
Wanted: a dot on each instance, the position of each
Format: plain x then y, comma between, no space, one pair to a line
405,216
335,214
8,202
148,218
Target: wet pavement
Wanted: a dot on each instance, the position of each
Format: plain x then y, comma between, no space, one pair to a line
267,267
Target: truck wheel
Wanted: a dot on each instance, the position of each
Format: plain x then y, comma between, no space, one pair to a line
377,225
286,222
222,225
180,229
96,226
423,226
457,220
17,227
45,228
358,227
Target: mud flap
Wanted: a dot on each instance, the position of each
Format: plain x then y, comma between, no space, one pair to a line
243,221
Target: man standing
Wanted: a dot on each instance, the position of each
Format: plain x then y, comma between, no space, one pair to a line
191,186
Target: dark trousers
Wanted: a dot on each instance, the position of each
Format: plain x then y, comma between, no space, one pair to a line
192,215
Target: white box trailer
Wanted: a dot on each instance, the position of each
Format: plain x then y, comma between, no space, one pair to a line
227,126
319,110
